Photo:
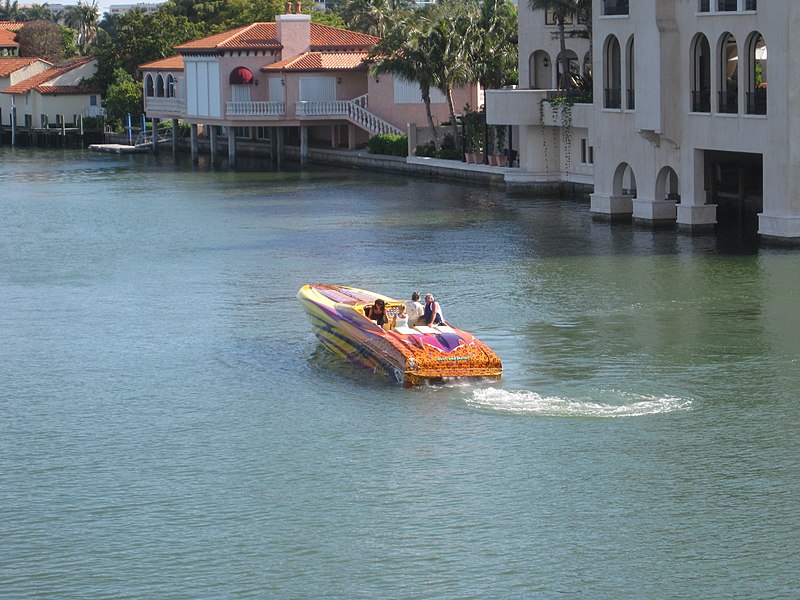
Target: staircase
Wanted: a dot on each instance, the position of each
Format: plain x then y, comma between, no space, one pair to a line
354,110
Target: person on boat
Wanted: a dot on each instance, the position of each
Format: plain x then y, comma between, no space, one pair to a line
401,320
433,312
415,310
377,312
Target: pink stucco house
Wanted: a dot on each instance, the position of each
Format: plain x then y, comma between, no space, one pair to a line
291,81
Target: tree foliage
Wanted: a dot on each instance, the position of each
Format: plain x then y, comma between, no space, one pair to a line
42,39
123,97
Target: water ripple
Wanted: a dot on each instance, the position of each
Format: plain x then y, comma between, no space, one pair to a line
531,403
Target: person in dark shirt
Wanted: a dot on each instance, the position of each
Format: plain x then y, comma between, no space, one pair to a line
377,313
433,312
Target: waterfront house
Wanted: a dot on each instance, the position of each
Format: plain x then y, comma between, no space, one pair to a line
8,43
291,81
682,126
12,71
57,95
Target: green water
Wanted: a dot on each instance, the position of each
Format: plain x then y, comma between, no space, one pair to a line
170,429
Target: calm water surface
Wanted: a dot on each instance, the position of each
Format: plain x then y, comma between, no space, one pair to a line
170,429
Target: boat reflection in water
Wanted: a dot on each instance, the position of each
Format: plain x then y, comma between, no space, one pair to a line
406,355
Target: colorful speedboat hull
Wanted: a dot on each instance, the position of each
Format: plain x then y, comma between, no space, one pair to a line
406,355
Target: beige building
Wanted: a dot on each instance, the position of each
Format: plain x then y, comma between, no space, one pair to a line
42,95
689,120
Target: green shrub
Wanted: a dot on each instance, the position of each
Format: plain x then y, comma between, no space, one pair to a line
428,149
389,144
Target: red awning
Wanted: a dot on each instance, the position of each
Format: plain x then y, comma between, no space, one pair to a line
240,76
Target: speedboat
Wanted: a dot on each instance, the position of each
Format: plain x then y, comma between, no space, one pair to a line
406,355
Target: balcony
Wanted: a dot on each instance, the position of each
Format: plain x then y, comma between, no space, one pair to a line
757,102
256,108
728,102
615,7
612,98
165,105
701,101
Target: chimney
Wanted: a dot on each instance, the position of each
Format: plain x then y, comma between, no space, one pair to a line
293,32
297,8
288,8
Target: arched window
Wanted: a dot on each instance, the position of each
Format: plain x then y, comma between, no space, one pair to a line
729,74
159,86
756,69
573,68
149,90
540,71
170,86
630,76
612,80
701,74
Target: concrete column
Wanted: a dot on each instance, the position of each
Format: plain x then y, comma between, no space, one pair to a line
175,137
411,136
155,135
13,125
351,136
212,138
231,147
693,214
273,144
193,139
303,144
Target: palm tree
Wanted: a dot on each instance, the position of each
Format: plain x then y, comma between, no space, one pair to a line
403,53
562,9
371,16
9,11
83,18
447,44
494,43
38,12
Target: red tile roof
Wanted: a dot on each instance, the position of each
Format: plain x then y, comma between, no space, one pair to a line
11,25
173,63
9,65
321,61
39,82
8,39
264,36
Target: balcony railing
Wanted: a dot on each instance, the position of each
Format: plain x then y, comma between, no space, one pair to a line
354,110
631,100
256,108
612,98
728,102
615,7
701,101
757,102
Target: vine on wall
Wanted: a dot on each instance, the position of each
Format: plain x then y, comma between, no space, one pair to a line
562,113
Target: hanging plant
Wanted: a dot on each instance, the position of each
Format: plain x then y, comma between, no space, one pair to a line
562,115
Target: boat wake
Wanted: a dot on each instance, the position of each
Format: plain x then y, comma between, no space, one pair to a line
523,402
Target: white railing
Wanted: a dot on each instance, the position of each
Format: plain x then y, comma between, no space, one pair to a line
354,110
94,111
256,108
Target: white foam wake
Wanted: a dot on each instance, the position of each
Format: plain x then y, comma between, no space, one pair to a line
525,402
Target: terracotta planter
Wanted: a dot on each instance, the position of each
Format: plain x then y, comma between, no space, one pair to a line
502,160
493,160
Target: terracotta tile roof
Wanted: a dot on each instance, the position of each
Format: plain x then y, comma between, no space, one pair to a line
324,37
256,35
173,63
8,39
9,65
11,25
321,61
39,82
264,36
